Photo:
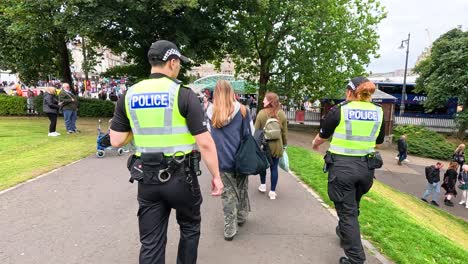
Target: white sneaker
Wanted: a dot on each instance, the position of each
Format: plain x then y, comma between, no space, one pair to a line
52,134
406,160
466,206
56,133
397,158
262,188
462,202
272,195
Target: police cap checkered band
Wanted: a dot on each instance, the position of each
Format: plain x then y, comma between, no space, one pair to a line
355,82
163,50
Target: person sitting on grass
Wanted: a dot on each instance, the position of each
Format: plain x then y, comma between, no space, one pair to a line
433,179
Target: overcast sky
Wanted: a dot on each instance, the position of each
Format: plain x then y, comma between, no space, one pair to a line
415,16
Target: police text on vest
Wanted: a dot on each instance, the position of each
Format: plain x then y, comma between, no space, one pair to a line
364,115
150,100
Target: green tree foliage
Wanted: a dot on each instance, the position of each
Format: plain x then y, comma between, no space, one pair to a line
128,26
302,47
34,38
444,73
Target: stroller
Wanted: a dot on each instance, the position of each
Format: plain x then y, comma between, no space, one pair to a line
100,147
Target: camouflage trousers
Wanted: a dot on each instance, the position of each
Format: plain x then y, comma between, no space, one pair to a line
236,204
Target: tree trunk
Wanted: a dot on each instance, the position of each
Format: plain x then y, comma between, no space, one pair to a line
264,78
64,66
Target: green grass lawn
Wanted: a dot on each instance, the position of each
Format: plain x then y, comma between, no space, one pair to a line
26,151
402,227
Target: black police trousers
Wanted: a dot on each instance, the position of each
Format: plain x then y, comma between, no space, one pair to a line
155,204
349,179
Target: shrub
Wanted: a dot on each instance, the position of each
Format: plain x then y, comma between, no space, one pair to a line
95,108
12,105
87,107
424,142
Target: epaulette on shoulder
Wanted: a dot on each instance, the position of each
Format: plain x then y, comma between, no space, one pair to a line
337,106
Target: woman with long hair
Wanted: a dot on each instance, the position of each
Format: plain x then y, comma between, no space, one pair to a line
450,180
226,118
459,156
272,109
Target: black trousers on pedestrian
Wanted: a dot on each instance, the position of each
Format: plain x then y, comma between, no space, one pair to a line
155,204
349,179
53,122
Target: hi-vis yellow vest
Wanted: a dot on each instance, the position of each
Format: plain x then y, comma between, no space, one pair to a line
358,129
157,125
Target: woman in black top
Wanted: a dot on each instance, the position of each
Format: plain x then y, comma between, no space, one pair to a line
50,107
459,156
450,180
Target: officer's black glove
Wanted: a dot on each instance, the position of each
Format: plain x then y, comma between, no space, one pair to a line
105,141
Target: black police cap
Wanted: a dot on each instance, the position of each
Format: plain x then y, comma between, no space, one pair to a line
163,50
356,81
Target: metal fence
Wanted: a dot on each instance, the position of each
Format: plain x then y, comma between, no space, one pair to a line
436,124
310,118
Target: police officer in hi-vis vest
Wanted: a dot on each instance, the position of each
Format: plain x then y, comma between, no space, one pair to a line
355,127
165,120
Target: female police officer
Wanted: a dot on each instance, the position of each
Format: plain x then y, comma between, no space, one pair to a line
165,120
356,126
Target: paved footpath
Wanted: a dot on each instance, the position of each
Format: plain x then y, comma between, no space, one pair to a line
86,213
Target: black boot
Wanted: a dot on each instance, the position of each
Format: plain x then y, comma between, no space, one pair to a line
345,260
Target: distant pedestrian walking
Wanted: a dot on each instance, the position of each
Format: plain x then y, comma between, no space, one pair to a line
273,121
463,179
450,180
459,156
402,150
433,186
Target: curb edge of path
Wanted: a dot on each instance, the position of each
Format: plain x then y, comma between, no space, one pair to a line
332,211
40,176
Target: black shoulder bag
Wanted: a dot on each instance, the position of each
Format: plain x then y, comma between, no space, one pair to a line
250,160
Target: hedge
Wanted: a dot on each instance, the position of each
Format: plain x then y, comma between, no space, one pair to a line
16,106
12,105
424,142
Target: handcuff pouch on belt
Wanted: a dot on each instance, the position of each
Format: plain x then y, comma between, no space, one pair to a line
328,161
155,168
150,168
374,160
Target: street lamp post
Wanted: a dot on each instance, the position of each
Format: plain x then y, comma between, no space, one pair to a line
403,92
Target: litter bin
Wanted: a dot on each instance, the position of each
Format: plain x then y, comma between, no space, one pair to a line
300,117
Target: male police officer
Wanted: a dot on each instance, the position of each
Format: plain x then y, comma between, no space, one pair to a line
356,126
165,120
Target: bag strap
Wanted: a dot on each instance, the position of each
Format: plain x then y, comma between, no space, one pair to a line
244,115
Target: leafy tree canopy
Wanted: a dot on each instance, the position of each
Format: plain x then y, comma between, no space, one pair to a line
302,47
444,73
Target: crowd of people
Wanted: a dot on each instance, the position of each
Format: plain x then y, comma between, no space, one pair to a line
456,171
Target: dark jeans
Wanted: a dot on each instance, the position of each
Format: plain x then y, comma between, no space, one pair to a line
402,155
274,174
70,117
53,122
155,204
348,180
